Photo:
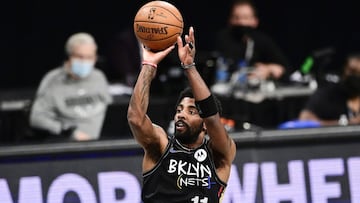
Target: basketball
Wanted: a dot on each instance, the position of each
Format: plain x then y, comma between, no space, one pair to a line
157,24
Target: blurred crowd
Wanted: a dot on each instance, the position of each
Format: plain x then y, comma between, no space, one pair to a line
245,67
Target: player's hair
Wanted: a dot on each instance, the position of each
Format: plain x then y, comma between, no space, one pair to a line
187,92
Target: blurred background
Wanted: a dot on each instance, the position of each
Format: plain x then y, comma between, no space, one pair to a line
311,165
33,41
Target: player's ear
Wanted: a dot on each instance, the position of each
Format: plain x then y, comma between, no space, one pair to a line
204,128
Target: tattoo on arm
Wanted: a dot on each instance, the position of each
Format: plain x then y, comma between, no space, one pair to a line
144,93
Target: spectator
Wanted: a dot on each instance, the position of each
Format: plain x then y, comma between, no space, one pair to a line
71,100
337,103
242,44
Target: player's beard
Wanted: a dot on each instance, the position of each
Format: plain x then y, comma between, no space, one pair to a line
190,135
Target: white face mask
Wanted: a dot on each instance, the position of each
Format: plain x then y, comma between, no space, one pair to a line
81,68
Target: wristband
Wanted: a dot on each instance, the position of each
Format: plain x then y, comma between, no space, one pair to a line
207,107
187,66
149,63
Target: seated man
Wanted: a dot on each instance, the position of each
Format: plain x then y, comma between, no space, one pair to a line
337,103
242,44
71,100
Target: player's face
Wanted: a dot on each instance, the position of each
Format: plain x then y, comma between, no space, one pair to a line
188,123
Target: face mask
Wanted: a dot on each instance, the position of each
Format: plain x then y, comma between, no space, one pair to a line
81,68
238,31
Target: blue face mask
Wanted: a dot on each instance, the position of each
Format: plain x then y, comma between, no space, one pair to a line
81,68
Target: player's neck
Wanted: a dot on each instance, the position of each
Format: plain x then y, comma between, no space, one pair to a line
198,142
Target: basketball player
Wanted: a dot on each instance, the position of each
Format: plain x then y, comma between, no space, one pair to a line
194,164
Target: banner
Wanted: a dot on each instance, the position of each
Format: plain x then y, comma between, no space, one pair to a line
297,173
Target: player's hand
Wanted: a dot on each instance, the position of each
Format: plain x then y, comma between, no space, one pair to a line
187,52
155,57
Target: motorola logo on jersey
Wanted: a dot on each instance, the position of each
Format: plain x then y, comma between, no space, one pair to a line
200,155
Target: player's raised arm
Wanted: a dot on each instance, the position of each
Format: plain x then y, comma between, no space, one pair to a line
222,145
141,126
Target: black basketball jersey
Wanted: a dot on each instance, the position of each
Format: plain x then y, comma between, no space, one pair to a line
183,176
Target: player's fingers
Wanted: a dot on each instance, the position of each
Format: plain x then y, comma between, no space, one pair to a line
187,39
179,42
191,35
169,49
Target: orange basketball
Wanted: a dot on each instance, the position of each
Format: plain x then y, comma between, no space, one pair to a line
157,25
